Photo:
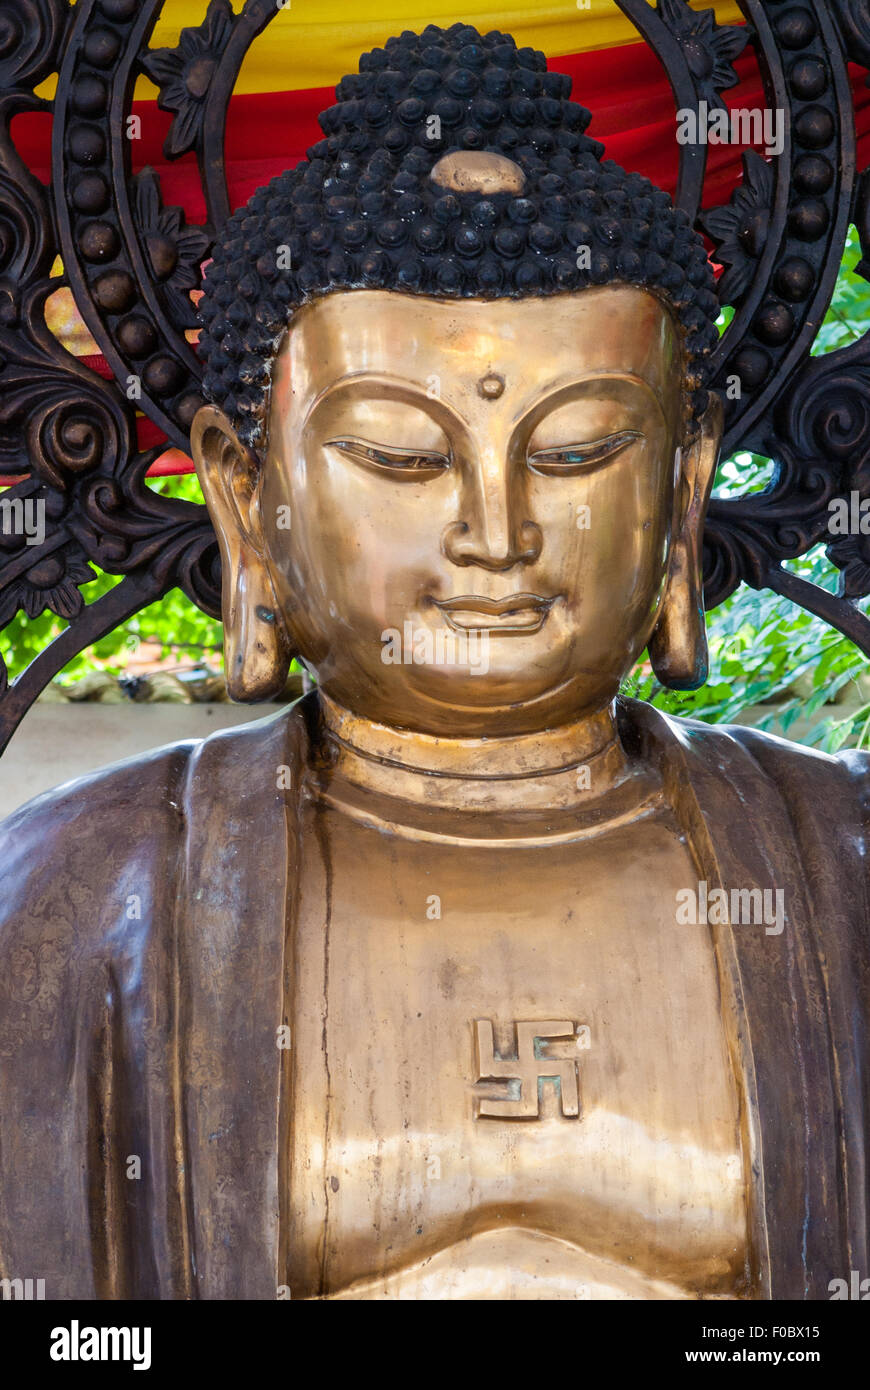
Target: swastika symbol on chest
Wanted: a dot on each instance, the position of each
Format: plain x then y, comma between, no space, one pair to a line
524,1072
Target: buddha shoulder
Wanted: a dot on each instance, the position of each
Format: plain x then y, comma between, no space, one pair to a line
81,864
798,769
84,820
830,791
78,852
75,852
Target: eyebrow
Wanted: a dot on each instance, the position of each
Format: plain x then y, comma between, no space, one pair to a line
396,387
570,387
393,387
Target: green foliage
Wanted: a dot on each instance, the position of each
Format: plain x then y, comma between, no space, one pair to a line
847,316
24,638
761,645
174,621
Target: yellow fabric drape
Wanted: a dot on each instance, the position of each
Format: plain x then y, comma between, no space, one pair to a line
312,43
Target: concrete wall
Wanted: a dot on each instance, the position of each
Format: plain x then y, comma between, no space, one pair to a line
57,742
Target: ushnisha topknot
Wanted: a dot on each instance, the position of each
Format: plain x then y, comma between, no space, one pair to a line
362,211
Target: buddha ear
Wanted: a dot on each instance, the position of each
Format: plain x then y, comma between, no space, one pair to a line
257,652
678,645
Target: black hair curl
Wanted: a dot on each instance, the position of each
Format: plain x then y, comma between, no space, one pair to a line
362,212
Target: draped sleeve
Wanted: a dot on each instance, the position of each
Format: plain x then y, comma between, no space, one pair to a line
90,1187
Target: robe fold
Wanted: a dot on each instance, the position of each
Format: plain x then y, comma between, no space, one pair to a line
145,973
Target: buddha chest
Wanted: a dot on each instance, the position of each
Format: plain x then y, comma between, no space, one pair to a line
509,1072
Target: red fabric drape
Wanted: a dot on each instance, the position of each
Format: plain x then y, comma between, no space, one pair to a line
624,87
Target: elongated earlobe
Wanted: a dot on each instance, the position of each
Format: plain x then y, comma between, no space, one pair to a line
257,654
257,651
678,645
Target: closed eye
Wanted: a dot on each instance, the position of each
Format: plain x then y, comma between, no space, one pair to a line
567,459
415,464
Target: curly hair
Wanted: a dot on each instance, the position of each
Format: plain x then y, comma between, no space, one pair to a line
363,212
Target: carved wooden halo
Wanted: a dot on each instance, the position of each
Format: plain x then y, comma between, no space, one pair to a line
69,435
784,230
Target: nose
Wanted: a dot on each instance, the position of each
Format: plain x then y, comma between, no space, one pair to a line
489,532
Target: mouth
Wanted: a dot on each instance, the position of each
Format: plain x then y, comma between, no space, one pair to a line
516,613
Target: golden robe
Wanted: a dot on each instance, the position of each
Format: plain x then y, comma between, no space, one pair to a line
144,975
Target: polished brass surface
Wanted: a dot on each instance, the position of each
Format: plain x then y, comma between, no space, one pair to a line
539,524
550,524
512,911
390,993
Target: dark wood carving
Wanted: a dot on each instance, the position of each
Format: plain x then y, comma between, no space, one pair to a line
70,436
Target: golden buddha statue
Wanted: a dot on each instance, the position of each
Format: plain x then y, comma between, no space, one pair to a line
390,995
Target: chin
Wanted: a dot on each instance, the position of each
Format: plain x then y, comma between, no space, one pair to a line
502,690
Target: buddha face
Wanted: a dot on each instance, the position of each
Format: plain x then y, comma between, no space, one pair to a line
466,508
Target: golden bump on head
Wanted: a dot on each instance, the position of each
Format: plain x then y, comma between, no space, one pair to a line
478,171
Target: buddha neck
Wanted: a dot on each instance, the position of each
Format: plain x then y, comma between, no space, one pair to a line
572,766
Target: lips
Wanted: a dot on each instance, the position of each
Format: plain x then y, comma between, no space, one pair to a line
516,613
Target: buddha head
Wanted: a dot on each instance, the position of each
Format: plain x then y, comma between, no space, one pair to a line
459,446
